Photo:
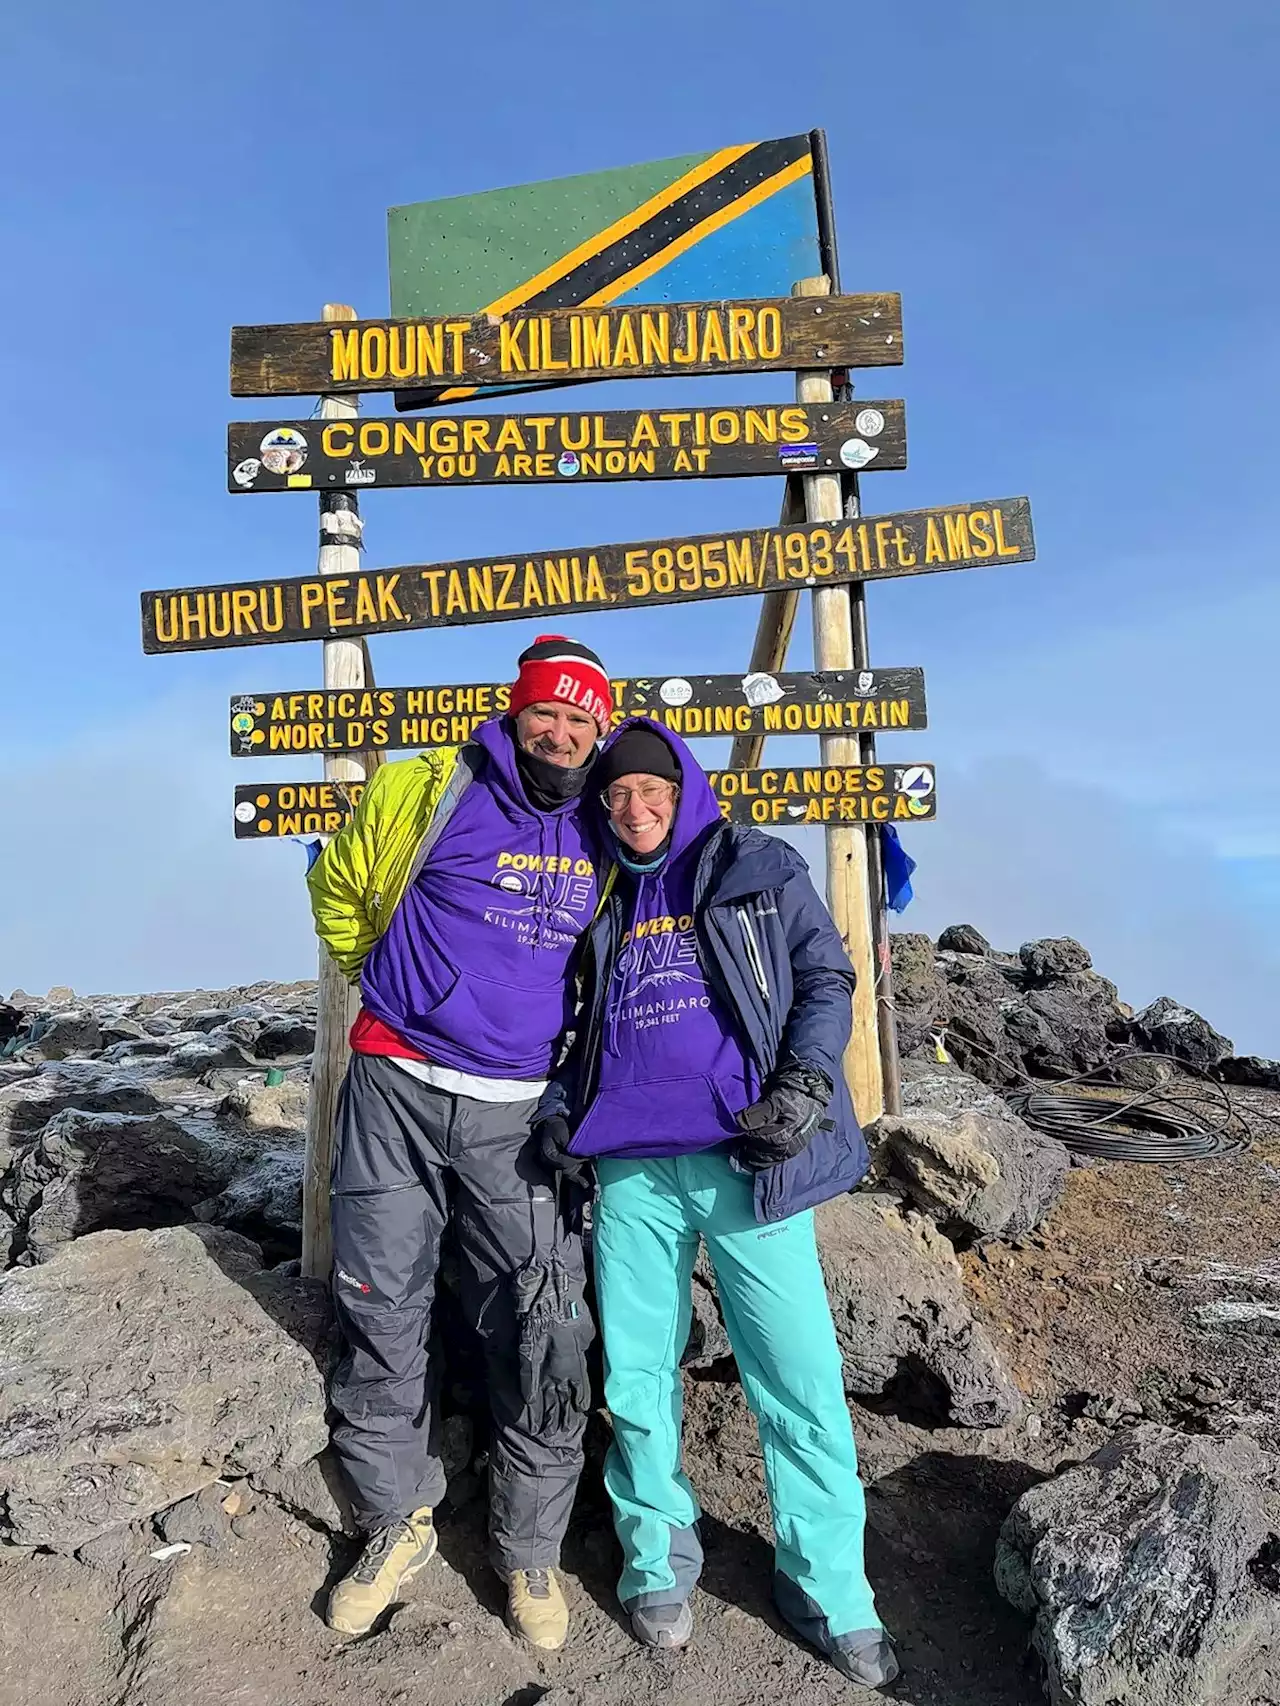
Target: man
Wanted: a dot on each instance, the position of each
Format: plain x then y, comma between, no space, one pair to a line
457,896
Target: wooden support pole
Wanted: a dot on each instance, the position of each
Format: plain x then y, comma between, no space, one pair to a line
773,632
848,886
345,665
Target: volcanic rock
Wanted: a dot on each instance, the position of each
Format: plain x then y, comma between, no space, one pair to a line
965,1158
1152,1572
141,1366
1054,957
87,1171
963,939
1166,1027
904,1325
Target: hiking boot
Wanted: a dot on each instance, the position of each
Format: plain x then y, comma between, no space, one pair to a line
867,1658
390,1560
536,1609
667,1626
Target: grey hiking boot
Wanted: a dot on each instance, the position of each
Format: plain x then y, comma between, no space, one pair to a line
666,1626
866,1657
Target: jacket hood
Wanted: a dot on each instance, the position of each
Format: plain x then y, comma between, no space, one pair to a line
697,809
498,743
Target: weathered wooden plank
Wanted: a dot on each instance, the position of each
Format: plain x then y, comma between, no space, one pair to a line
599,577
622,444
785,797
551,346
410,718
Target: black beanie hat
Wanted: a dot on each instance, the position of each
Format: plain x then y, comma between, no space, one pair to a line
637,751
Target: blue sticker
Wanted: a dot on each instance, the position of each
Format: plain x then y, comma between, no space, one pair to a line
568,463
798,455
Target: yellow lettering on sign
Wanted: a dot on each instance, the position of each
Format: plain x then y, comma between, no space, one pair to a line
549,362
689,354
724,426
331,439
374,438
980,533
644,431
403,350
443,435
388,608
655,339
509,435
795,426
1003,547
430,351
455,330
683,463
344,354
532,593
713,344
957,527
409,435
769,334
625,353
540,424
456,595
595,341
373,352
934,550
507,572
433,577
741,324
510,355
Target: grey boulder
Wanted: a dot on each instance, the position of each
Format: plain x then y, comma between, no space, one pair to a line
87,1171
138,1367
1152,1572
1166,1027
965,1158
902,1319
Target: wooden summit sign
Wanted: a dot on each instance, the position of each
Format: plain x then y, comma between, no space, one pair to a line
558,344
812,794
601,577
556,449
398,718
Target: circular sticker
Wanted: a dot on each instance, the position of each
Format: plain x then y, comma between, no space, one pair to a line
244,812
677,691
242,724
869,422
511,883
761,689
917,780
569,463
856,453
284,450
246,472
918,808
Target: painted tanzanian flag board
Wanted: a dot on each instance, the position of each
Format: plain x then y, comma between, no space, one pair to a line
733,222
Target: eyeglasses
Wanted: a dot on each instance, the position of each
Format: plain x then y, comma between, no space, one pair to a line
652,794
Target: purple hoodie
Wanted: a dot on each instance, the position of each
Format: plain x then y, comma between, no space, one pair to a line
473,970
673,1069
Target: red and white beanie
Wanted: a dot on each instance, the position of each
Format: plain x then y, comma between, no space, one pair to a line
554,668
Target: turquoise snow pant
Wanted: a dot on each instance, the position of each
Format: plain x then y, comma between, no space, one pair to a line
647,1223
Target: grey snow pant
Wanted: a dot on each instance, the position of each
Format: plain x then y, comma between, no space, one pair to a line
406,1157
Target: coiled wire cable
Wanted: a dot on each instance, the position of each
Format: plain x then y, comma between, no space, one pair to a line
1118,1123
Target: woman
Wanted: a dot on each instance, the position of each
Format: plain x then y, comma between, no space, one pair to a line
705,1084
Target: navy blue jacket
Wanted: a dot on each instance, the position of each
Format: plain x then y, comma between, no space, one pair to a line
768,945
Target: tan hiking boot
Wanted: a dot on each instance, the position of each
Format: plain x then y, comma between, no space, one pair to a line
390,1560
536,1609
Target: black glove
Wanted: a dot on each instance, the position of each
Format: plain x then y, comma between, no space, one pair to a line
552,1139
781,1123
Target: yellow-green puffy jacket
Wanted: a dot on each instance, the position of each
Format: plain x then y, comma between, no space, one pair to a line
361,877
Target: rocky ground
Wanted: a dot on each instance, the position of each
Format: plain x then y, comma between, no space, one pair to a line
1063,1380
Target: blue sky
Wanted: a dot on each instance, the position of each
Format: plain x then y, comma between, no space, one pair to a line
1074,203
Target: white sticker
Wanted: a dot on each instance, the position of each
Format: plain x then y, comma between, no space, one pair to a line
856,453
284,450
246,472
866,681
869,422
796,811
917,780
358,475
761,689
244,812
345,523
677,691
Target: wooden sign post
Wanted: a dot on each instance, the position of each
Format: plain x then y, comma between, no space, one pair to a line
848,889
345,667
